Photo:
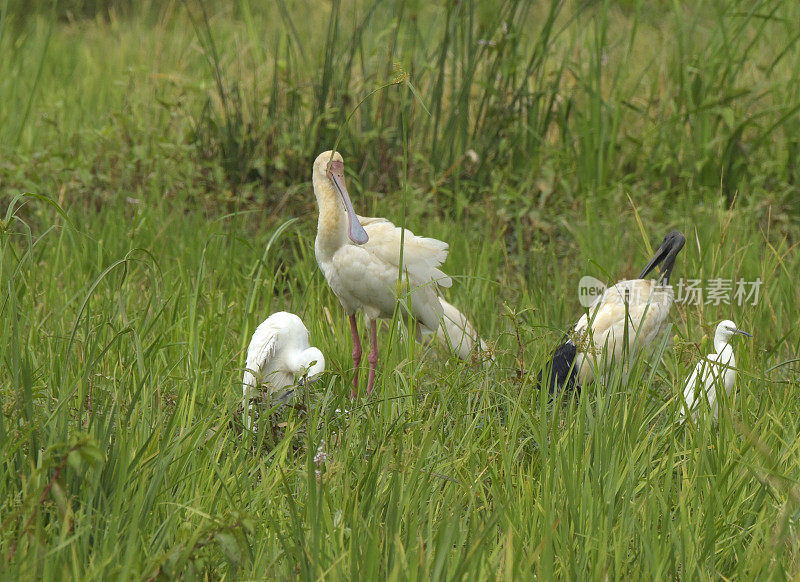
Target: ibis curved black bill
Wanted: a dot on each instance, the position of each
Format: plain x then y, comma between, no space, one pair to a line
355,231
666,253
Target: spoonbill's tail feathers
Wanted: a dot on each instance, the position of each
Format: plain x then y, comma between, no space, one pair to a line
456,332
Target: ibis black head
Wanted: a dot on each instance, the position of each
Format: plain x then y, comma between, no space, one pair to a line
666,253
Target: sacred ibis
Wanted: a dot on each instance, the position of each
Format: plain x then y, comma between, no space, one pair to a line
597,340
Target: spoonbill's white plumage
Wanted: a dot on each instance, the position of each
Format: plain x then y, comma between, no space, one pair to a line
598,339
455,332
360,258
279,353
714,371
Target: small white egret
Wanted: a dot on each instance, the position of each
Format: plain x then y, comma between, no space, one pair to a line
597,340
714,371
278,354
360,258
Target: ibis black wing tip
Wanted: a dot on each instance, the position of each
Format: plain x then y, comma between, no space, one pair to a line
562,374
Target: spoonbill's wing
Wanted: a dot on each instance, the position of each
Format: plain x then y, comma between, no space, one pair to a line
422,256
362,280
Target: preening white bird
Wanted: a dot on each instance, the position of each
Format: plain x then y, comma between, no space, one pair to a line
717,370
278,355
360,258
597,340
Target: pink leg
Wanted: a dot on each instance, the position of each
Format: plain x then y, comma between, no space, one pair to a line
372,358
356,354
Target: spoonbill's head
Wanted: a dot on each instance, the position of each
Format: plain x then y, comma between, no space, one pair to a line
665,256
331,165
726,330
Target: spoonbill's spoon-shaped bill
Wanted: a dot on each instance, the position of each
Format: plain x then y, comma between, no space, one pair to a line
279,353
335,172
716,370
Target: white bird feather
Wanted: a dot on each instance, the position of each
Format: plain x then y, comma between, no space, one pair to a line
455,332
635,308
278,354
648,305
360,258
717,370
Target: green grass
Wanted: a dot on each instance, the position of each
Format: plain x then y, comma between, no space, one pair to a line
151,162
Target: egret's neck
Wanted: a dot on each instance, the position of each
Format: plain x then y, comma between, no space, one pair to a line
723,348
296,359
332,224
309,361
314,355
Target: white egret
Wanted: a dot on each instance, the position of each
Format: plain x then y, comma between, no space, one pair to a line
717,370
279,353
636,308
360,258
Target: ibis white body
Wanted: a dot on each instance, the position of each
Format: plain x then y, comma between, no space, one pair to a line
641,305
635,309
715,371
279,353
